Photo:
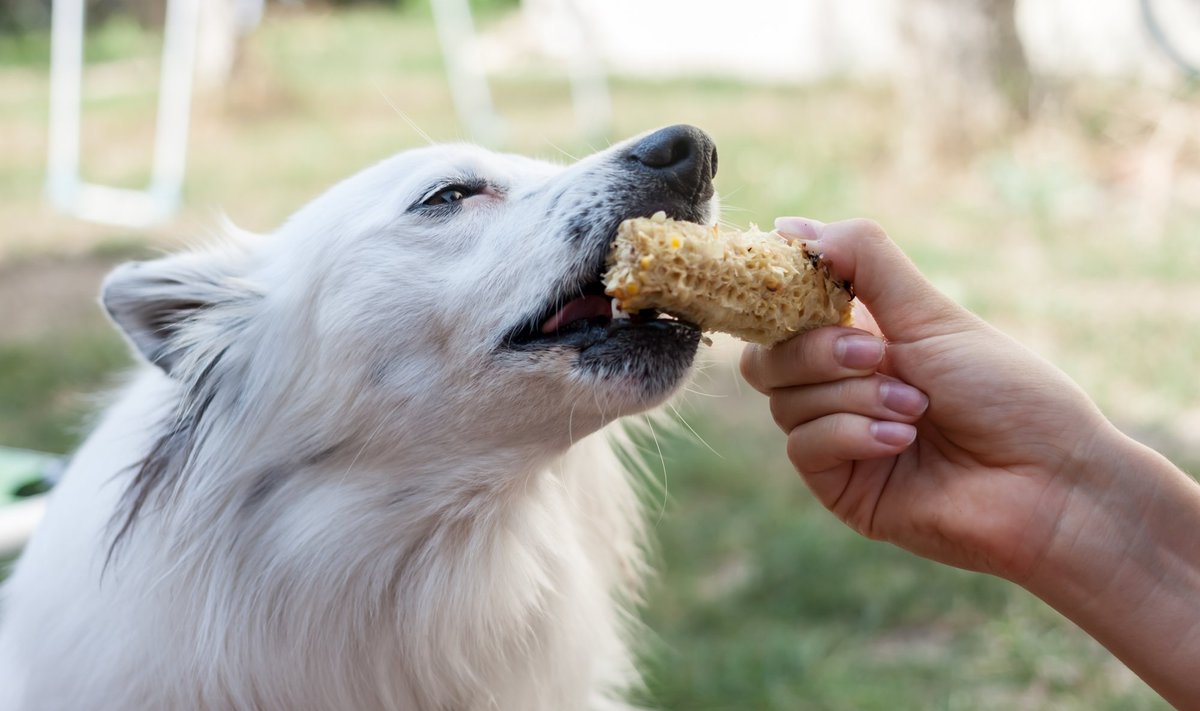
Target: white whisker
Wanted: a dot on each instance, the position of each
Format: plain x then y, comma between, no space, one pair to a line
407,119
561,150
693,431
666,493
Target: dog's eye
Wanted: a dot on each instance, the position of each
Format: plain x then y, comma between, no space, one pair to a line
448,195
442,200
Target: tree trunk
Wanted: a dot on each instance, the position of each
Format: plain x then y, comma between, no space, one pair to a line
966,78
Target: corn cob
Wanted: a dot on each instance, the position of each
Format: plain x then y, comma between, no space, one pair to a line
754,285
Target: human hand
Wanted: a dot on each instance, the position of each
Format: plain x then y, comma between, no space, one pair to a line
951,440
944,437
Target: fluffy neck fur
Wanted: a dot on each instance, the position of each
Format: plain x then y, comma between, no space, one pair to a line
371,572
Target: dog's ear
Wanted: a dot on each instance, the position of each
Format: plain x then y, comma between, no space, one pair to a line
152,302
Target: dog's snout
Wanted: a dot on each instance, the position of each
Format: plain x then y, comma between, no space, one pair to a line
682,155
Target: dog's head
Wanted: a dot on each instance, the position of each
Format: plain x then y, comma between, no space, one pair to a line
448,283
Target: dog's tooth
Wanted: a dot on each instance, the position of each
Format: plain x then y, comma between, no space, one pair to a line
617,313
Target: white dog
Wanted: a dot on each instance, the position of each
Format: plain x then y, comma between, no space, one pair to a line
356,473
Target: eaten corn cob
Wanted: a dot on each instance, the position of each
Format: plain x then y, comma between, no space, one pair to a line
754,285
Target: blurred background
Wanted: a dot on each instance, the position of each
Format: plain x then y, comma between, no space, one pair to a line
1039,160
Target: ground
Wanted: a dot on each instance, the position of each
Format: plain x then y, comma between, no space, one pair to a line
1075,234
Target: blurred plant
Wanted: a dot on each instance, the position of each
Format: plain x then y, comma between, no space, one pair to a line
21,16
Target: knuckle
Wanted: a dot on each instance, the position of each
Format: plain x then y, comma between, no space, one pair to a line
815,354
802,352
867,228
841,430
851,394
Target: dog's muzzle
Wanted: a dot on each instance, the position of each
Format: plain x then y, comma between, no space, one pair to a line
671,171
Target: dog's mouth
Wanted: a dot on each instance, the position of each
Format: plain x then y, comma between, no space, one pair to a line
583,316
645,355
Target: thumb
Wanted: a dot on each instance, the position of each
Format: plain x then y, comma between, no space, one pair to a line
904,303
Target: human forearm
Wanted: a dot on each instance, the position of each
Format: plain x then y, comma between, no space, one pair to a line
1125,564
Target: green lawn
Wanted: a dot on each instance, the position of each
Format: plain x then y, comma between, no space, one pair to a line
762,600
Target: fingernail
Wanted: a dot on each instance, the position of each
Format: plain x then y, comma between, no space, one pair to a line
893,433
858,352
801,227
903,399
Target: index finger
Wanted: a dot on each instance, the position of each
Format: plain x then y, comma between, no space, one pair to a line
830,353
905,304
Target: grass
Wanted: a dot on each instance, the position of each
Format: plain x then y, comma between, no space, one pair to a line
43,383
762,600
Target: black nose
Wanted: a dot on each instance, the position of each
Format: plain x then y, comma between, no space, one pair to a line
683,156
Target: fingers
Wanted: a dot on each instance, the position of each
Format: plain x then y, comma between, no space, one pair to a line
905,304
877,397
833,440
818,356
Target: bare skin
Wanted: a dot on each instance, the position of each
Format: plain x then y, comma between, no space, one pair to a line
930,429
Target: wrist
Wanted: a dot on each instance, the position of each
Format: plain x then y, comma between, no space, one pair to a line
1124,562
1120,503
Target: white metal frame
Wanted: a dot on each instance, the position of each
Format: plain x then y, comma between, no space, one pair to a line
65,186
469,85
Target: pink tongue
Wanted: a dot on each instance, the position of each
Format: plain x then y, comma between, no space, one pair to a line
578,309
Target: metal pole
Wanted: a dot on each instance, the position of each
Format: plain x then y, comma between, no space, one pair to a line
468,84
174,102
66,89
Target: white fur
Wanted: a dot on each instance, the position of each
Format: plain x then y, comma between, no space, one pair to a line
371,509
